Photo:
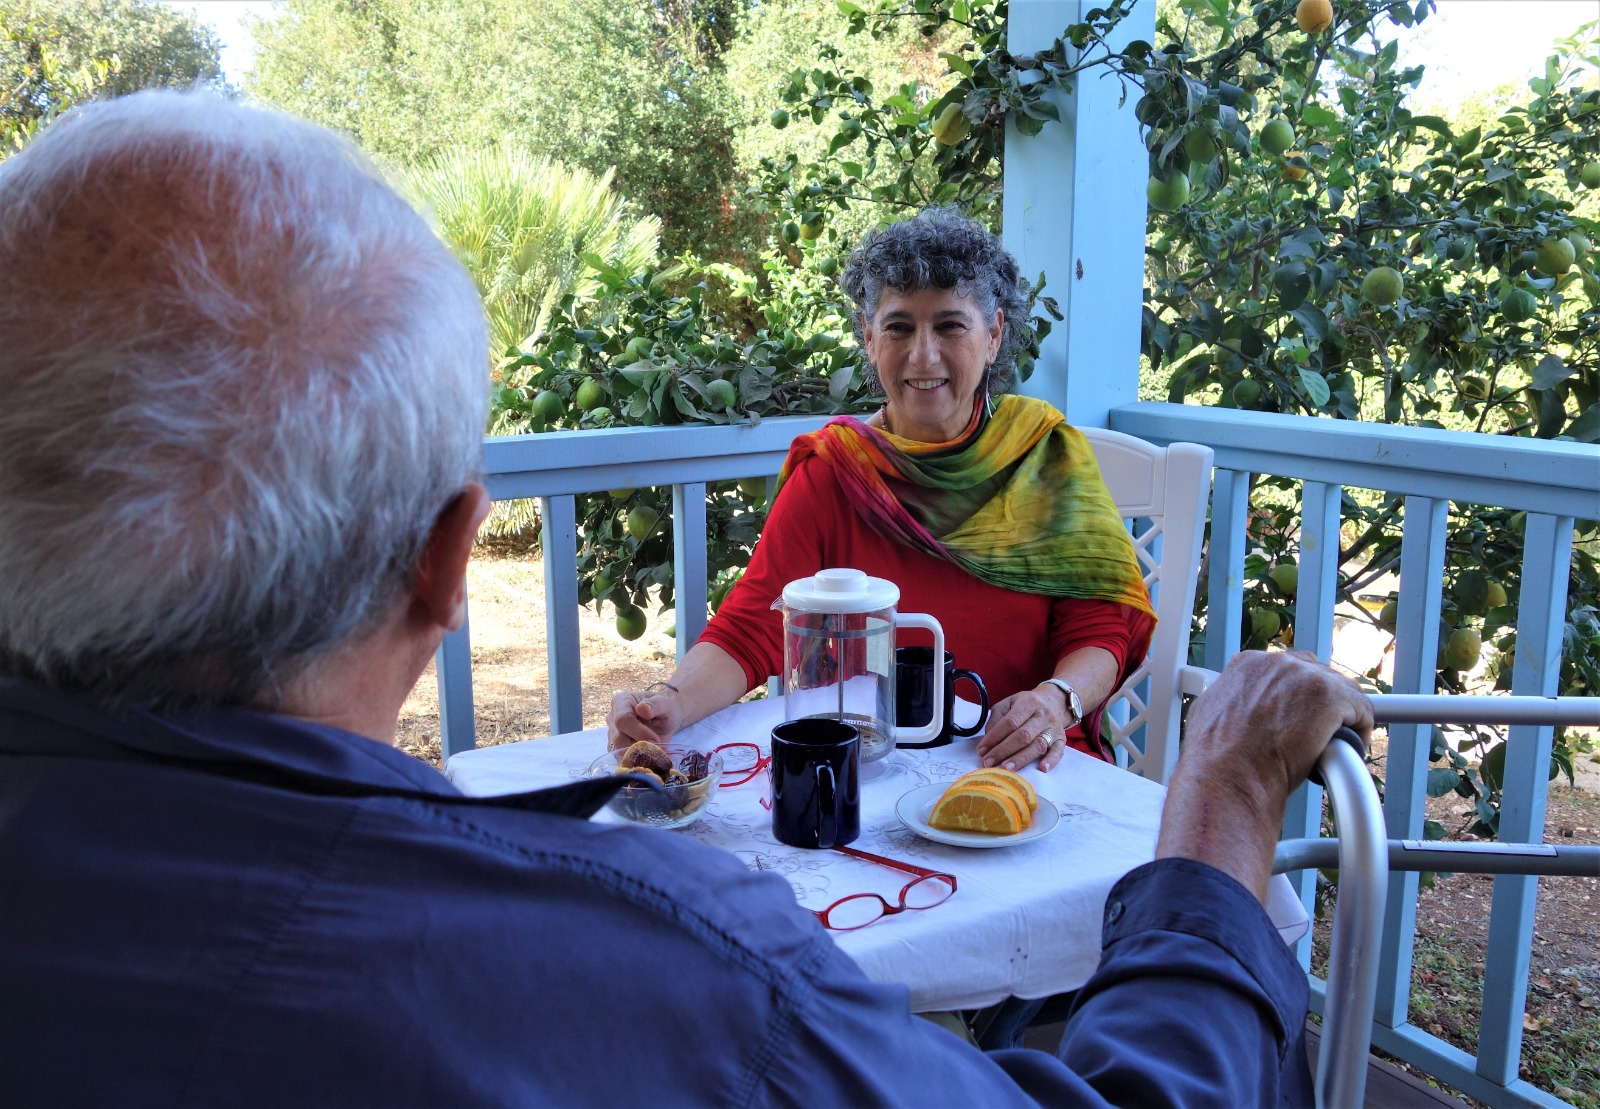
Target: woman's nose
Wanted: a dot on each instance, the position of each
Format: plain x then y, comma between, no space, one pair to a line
924,348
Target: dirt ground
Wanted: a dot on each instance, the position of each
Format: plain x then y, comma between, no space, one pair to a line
505,609
1562,1026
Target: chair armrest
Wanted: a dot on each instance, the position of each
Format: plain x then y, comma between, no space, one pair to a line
1193,680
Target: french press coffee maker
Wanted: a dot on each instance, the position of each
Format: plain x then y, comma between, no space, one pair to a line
838,656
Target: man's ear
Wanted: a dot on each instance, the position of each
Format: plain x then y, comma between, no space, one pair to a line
440,589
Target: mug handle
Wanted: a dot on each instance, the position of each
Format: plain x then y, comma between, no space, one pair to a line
827,807
983,699
929,733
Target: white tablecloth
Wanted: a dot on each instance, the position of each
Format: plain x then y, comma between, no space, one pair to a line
1025,919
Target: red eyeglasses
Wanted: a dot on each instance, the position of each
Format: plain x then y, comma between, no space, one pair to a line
928,889
741,762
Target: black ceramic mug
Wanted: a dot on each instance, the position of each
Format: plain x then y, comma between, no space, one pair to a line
913,694
816,783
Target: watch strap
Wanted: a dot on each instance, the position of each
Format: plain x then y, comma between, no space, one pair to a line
1074,702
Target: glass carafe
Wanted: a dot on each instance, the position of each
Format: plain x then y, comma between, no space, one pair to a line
838,656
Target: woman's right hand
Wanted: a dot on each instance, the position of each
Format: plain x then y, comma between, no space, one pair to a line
642,714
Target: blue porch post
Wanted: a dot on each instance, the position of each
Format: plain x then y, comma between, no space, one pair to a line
1074,208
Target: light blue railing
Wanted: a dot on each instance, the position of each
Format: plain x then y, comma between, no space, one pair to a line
1554,483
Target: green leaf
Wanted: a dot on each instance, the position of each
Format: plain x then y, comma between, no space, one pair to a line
1586,428
1313,323
1471,592
1550,372
956,62
1552,414
1493,767
1318,117
839,382
1442,780
1316,386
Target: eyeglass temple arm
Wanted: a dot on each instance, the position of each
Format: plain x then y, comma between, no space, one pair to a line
897,865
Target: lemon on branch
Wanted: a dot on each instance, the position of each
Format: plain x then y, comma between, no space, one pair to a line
591,395
1517,305
642,521
1314,16
1168,195
952,126
1555,257
1277,136
548,406
1200,146
631,622
1382,287
1462,649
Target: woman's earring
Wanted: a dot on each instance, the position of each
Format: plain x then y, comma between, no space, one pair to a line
988,397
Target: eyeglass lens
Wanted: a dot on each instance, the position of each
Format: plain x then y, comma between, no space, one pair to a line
862,909
741,761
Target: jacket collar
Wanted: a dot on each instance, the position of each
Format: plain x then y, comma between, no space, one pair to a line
219,736
246,744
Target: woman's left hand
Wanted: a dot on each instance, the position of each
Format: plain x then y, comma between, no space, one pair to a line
1024,728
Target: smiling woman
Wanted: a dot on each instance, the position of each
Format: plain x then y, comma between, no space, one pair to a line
986,509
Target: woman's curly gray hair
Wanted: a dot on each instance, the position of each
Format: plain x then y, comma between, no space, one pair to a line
943,248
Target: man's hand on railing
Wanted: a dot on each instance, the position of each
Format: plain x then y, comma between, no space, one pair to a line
1250,740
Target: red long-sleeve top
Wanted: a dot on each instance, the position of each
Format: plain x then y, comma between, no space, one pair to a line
1013,640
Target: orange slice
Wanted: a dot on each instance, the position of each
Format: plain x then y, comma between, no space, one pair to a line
1010,779
979,807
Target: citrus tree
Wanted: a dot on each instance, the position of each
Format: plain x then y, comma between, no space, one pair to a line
57,53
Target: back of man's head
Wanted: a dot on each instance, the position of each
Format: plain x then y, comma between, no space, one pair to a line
239,379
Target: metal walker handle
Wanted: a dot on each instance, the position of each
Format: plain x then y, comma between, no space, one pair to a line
1352,988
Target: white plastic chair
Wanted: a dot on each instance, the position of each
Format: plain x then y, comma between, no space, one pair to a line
1162,492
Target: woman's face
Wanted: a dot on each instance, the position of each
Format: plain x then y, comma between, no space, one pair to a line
930,347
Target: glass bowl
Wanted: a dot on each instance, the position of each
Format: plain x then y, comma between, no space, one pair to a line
671,806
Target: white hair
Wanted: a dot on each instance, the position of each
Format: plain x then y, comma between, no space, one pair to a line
239,380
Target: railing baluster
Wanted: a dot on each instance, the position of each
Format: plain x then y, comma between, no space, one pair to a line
1546,564
1313,631
689,561
1319,568
1406,776
452,664
559,539
1230,509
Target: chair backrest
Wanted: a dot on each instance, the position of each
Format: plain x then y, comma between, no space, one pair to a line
1162,493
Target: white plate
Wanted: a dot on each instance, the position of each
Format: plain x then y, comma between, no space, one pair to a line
913,810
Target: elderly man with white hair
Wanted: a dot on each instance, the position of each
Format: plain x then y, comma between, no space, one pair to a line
241,393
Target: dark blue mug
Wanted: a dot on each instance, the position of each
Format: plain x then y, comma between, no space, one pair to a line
816,783
913,695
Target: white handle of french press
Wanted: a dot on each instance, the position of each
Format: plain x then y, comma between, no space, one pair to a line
935,723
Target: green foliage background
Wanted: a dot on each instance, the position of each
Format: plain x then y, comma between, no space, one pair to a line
595,84
54,53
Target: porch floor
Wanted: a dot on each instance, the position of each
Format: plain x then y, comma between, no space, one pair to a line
1388,1087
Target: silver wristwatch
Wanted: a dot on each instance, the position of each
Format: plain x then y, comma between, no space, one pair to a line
1074,702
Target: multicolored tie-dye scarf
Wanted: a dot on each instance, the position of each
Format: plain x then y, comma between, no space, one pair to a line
1016,500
